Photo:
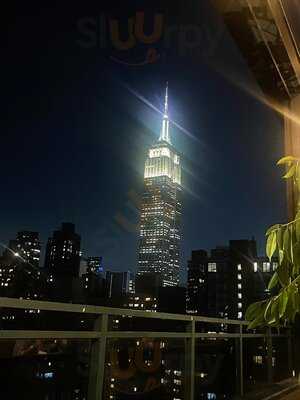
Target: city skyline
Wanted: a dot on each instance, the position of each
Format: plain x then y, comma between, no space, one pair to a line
149,208
81,139
118,227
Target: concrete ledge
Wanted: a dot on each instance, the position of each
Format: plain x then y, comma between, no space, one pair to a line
283,392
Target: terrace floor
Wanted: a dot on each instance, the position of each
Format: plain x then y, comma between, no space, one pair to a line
295,395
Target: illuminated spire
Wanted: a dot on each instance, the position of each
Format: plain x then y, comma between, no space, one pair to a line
166,101
164,134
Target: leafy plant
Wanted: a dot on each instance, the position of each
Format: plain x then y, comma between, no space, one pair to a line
283,240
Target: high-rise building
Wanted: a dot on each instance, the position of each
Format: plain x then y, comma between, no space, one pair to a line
20,275
226,281
119,284
94,265
91,265
26,247
159,243
63,251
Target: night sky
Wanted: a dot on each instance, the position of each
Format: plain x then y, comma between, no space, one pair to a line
77,122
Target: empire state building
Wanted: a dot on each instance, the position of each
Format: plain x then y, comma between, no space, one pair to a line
159,242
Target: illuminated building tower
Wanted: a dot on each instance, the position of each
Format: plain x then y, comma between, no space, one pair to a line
159,243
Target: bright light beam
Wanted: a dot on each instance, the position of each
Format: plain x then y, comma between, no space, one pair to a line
17,255
154,108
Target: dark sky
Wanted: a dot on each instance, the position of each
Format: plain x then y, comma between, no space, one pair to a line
75,128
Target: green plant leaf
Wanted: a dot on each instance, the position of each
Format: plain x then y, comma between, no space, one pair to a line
273,228
274,321
282,308
283,273
258,321
267,313
280,233
283,299
281,256
297,227
286,243
290,173
253,310
271,244
286,160
273,282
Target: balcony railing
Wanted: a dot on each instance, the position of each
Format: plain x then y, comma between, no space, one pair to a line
71,351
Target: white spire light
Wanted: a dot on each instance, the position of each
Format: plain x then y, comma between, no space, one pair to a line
164,134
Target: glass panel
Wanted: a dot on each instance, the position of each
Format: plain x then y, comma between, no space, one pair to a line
280,360
35,319
216,369
255,364
145,368
44,369
123,323
214,327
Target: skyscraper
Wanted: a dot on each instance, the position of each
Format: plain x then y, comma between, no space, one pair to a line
119,283
226,281
26,247
63,251
159,243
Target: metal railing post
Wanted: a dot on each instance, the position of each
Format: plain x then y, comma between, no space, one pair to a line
97,367
241,362
269,355
193,350
190,345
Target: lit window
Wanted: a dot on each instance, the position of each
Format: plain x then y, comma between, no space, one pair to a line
240,305
255,266
212,267
239,286
275,266
258,359
240,315
239,267
239,295
239,277
266,267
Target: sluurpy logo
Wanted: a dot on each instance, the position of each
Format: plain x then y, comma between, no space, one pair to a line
128,43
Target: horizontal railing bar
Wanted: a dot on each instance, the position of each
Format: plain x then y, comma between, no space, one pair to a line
261,335
7,302
148,334
219,335
81,335
178,335
9,334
